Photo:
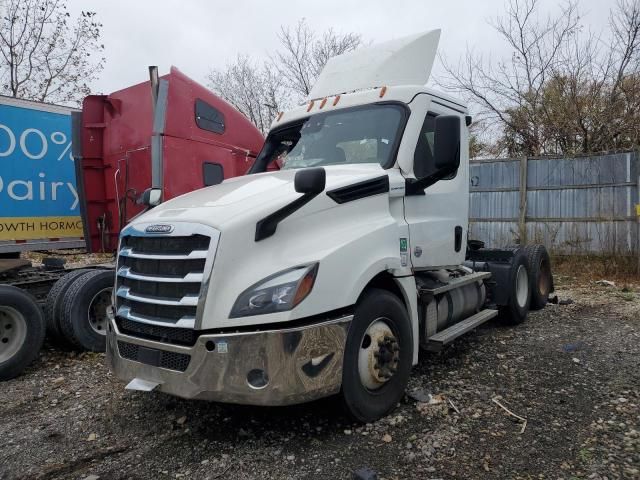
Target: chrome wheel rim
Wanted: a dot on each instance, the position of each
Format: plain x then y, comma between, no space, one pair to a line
379,355
97,313
522,286
13,332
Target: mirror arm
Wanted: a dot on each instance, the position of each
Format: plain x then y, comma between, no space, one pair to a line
417,187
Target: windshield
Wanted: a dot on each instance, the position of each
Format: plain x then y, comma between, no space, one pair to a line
365,134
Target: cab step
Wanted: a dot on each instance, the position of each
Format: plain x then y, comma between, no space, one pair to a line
448,335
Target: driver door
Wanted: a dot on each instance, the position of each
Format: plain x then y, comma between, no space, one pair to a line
438,220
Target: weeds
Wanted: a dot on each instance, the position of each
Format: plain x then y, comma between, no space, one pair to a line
619,268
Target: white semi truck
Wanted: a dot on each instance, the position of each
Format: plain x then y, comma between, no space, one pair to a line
325,276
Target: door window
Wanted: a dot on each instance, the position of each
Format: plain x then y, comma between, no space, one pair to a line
423,159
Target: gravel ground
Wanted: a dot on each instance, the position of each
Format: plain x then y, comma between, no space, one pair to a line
572,371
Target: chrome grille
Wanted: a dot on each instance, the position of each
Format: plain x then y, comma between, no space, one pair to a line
160,277
166,245
177,336
170,269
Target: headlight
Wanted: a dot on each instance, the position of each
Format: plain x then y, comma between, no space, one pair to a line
277,293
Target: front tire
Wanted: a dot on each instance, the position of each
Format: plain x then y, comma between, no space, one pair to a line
378,356
22,330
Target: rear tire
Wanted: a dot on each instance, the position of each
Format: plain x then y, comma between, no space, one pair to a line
380,325
540,278
84,320
515,312
53,305
22,330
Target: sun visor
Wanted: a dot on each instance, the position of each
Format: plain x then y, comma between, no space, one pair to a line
404,61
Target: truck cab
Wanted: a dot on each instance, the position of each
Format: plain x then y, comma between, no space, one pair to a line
328,275
170,133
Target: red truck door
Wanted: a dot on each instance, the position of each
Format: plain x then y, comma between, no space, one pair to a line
121,143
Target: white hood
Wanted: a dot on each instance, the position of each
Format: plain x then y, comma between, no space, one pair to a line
404,61
258,194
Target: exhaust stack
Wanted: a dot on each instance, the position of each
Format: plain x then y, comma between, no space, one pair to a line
159,93
155,85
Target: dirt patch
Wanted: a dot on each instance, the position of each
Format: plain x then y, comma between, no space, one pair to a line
570,370
71,258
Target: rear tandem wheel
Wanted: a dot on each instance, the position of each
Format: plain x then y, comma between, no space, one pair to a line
83,319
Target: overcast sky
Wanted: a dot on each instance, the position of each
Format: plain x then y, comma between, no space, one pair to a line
196,35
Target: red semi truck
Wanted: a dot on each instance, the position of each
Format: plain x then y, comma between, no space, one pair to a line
182,139
169,132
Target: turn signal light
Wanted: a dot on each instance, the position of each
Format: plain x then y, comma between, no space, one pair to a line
305,286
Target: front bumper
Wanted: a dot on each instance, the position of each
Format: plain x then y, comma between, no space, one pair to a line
275,367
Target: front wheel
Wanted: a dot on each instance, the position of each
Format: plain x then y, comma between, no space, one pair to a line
378,356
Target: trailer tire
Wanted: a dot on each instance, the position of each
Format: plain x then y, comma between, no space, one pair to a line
53,305
540,278
517,308
83,318
366,396
22,331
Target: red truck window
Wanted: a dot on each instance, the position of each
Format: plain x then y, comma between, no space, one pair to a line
209,118
212,173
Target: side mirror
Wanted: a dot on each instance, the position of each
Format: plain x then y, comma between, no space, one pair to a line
446,153
446,149
151,197
310,181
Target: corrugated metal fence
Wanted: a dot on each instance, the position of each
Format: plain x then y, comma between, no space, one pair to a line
572,205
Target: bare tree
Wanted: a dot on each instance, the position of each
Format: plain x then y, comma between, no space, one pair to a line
260,91
563,90
510,92
303,54
592,99
45,54
255,90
